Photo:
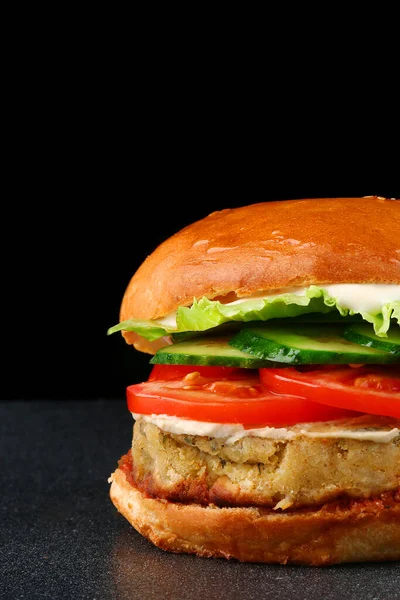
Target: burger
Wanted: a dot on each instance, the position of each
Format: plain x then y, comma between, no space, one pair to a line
268,429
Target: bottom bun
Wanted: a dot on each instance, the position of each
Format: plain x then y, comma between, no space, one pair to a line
356,531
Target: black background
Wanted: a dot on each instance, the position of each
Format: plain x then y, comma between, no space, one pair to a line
99,182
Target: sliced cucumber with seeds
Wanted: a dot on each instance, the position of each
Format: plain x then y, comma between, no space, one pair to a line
364,335
306,344
206,351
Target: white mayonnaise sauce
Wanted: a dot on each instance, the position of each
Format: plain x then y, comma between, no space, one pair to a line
368,428
363,297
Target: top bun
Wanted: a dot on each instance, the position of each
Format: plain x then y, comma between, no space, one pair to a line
268,246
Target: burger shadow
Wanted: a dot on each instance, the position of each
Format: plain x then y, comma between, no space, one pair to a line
141,570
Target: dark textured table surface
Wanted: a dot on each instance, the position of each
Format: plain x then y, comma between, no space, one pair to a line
60,536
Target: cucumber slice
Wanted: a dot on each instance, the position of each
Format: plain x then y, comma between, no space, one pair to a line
226,330
233,327
364,335
206,351
306,344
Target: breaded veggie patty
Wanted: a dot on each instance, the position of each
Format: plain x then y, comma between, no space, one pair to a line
277,473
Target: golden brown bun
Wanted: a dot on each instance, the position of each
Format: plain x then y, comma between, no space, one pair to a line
359,531
268,246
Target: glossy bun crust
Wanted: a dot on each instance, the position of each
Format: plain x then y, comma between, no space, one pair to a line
268,246
358,531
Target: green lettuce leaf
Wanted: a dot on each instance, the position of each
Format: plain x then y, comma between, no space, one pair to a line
205,314
148,329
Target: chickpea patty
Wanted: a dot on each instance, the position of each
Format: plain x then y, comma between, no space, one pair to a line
275,473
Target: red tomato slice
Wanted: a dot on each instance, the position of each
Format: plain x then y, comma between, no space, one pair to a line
167,372
370,389
228,400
